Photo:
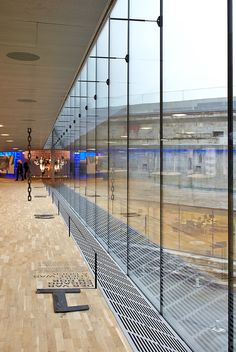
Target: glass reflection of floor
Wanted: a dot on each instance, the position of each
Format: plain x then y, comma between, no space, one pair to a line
194,224
194,298
188,226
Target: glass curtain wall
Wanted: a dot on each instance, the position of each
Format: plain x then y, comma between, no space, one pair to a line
118,131
83,140
148,126
72,128
90,135
143,148
195,175
77,125
102,135
70,132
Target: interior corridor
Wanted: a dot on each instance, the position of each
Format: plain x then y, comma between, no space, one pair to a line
30,246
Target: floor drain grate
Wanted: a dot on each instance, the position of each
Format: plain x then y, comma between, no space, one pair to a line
38,187
44,216
40,196
144,327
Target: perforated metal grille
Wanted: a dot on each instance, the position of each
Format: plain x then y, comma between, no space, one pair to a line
144,327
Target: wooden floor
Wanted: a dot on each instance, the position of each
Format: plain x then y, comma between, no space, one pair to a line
27,320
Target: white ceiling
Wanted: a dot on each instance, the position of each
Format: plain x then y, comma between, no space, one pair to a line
60,32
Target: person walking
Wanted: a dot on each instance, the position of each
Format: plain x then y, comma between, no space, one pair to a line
19,170
26,169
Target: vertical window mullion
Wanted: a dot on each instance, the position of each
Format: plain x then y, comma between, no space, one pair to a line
230,180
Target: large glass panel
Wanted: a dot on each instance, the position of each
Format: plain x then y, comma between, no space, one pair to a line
149,10
118,137
144,198
61,163
67,117
72,143
102,138
195,188
83,140
120,10
91,143
77,114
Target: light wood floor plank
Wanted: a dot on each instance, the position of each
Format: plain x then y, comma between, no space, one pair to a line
27,320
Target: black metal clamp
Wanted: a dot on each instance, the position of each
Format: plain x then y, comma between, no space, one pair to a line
159,21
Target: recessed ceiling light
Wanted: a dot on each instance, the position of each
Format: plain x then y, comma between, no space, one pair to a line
123,136
15,148
5,134
145,128
9,140
23,56
1,125
27,100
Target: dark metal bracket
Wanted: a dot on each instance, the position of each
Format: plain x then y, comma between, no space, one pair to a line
159,21
130,19
59,299
106,57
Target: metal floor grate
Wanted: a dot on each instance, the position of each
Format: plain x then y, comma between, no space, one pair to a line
145,329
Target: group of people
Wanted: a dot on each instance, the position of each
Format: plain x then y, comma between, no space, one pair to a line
22,170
